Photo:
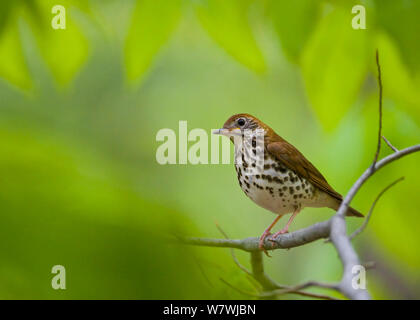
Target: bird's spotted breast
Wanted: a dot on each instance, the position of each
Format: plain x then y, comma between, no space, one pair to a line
275,187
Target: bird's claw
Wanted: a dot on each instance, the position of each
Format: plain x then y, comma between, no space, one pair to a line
261,243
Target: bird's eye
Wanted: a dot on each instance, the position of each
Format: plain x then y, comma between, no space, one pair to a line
241,122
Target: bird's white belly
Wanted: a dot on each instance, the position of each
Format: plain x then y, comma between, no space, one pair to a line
277,188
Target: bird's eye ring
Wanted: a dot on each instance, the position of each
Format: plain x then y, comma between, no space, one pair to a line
241,122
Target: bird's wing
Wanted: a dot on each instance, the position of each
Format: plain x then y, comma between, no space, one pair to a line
296,161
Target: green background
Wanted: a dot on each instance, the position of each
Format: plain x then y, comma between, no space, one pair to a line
80,109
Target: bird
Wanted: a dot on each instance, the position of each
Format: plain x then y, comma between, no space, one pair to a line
282,180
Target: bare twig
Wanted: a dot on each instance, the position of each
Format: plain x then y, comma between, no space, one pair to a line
247,293
365,223
304,286
389,144
378,147
232,252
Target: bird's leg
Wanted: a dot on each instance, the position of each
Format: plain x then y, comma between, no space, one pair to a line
286,228
267,233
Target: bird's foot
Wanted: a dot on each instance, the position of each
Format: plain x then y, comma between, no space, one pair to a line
282,231
261,243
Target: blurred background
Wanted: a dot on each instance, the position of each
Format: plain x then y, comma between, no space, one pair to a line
80,109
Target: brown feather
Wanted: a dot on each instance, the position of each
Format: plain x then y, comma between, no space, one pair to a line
296,161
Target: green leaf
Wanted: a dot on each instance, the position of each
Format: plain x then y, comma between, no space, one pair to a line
13,66
400,20
334,65
396,78
294,21
65,50
152,23
228,24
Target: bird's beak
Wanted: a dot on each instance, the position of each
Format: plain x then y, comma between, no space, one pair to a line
228,132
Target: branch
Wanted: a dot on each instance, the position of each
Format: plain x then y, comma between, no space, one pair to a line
389,144
271,287
304,286
365,223
285,241
378,147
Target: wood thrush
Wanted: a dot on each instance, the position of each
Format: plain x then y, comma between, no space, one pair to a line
283,180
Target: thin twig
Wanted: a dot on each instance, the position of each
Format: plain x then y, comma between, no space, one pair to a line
232,252
239,290
378,147
389,144
365,223
304,286
269,284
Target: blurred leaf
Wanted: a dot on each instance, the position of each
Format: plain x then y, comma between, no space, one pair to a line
400,20
13,65
396,78
294,21
228,24
152,23
334,65
65,50
6,11
67,207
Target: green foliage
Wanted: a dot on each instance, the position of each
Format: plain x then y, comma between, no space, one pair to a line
294,22
334,66
80,183
12,61
228,24
151,25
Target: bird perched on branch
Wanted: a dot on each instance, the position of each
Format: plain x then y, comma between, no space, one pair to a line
274,174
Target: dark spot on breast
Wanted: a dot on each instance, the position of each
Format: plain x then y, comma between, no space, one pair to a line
278,180
291,191
297,187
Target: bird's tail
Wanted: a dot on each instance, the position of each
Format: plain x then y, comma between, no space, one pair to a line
351,212
354,213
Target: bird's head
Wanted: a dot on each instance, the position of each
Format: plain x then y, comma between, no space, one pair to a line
238,123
